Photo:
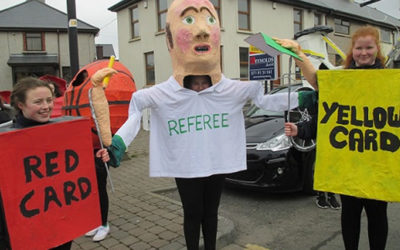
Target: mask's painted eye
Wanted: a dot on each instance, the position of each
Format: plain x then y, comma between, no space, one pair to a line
188,20
211,20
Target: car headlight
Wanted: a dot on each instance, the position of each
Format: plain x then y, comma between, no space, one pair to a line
280,142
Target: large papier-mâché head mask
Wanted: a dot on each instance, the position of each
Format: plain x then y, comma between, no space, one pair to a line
193,39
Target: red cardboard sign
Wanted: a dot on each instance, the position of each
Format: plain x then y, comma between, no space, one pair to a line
48,184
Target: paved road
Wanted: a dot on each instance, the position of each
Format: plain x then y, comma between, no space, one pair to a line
145,215
289,222
292,222
139,217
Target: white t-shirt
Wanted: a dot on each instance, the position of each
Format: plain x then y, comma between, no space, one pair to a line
197,134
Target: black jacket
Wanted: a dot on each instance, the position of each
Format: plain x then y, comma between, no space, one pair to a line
308,129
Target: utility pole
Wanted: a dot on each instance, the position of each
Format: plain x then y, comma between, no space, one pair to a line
73,37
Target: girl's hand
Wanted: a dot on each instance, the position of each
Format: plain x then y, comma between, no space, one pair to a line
290,129
307,68
289,44
98,77
103,154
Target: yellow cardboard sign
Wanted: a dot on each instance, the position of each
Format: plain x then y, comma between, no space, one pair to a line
358,140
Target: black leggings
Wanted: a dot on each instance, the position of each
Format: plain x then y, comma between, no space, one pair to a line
377,222
101,174
200,199
65,246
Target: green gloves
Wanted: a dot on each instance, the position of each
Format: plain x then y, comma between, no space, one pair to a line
116,151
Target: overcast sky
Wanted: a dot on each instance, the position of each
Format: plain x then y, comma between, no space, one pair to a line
391,7
96,13
93,12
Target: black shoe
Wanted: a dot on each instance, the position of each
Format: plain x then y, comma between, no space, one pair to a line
333,202
321,202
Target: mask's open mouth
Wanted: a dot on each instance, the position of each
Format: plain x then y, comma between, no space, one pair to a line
202,48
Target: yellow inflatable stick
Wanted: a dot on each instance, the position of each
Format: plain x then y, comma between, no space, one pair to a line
100,103
107,78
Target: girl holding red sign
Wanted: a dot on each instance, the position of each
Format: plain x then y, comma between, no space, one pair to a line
33,100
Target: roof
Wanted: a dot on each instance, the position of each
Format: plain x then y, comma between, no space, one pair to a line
32,59
343,8
349,9
108,50
122,5
35,15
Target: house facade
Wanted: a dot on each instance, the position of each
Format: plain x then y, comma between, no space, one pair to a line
142,43
34,42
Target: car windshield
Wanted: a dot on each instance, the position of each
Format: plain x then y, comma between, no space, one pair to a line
255,111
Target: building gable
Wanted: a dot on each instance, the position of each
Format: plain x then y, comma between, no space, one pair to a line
35,15
348,9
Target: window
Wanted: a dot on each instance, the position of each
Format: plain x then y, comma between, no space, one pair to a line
66,73
244,63
220,57
386,36
135,22
162,7
217,6
150,74
277,82
317,19
342,27
244,14
33,41
297,72
297,20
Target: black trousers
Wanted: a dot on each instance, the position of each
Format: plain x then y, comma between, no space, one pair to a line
65,246
101,174
200,199
351,219
4,237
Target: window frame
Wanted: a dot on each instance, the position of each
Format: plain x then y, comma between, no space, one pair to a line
149,67
42,41
159,14
339,22
243,63
217,8
318,18
247,14
134,21
66,73
389,33
221,57
295,22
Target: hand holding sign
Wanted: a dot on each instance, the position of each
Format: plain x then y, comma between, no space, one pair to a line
103,154
293,46
274,46
48,186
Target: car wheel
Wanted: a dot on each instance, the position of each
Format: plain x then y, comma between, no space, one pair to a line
308,177
303,145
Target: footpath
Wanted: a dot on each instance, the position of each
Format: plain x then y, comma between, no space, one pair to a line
139,217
